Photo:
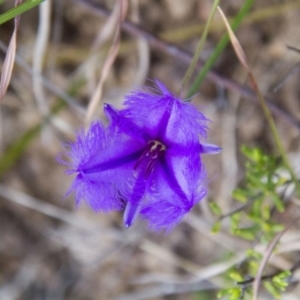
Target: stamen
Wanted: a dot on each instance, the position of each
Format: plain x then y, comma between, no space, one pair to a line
150,155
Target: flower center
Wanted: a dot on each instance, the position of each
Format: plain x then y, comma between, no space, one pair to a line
155,148
152,152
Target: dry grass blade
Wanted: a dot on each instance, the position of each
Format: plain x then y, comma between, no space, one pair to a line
242,57
167,256
235,43
39,54
44,208
113,51
266,257
9,58
51,86
8,65
107,30
142,47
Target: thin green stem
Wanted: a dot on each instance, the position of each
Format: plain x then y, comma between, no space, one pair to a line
19,146
200,45
276,135
10,14
219,48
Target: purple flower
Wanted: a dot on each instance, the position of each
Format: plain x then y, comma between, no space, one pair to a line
147,159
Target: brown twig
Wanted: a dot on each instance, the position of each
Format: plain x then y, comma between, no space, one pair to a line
185,56
266,257
250,281
241,208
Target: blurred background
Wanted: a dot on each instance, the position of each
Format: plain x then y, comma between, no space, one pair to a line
49,248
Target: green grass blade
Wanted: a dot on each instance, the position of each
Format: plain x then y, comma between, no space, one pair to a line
15,151
219,48
200,45
10,14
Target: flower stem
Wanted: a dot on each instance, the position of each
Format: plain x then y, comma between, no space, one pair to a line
219,48
200,45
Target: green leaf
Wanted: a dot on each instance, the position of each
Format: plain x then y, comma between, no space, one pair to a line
253,267
235,221
240,195
272,290
275,227
215,208
280,280
234,275
246,233
222,293
216,227
280,284
233,293
283,275
254,254
265,212
278,202
254,154
256,208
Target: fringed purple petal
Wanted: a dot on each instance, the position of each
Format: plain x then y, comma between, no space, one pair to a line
87,145
162,214
131,213
104,163
179,184
166,117
120,124
210,149
101,195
